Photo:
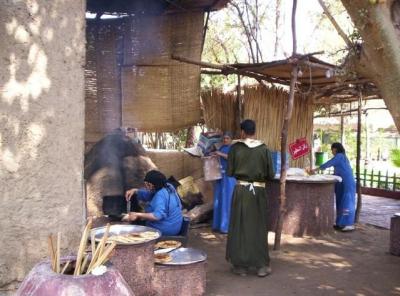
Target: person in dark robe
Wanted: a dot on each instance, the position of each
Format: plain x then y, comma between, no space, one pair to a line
250,162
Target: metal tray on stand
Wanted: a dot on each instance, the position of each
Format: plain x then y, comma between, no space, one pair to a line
185,256
120,229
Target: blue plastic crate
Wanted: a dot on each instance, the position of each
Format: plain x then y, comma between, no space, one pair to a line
276,160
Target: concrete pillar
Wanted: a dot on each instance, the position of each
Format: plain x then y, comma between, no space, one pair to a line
41,130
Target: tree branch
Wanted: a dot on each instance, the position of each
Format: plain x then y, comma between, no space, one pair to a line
335,24
277,17
246,30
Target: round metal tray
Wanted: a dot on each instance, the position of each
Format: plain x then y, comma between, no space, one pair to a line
185,256
124,229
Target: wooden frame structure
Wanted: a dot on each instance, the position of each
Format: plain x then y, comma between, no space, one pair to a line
324,82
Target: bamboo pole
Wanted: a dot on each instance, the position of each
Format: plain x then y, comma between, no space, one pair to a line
284,134
52,252
65,267
58,252
359,197
104,256
99,249
93,243
82,247
85,261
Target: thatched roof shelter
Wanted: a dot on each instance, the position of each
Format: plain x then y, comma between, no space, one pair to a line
325,82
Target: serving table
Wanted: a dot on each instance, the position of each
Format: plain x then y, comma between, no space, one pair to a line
309,204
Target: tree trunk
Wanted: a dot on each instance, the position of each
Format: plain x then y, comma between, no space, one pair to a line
378,25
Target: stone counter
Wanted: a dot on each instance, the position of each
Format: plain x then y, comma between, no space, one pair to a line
310,205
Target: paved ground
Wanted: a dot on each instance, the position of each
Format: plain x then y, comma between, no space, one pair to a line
355,263
378,210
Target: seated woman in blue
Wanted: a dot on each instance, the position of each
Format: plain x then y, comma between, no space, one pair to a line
163,209
345,191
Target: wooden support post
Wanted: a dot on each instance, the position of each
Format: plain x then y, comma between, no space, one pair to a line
284,134
203,40
342,135
359,197
238,105
365,176
367,138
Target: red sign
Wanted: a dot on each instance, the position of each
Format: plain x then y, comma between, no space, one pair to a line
299,148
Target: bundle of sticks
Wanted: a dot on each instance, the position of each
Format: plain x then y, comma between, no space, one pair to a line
86,261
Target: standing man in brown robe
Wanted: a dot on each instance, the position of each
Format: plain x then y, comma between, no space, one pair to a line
250,162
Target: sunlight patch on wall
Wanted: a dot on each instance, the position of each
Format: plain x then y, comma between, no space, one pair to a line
10,161
36,83
35,136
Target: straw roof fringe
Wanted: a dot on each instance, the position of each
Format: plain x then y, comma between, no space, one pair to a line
219,109
267,107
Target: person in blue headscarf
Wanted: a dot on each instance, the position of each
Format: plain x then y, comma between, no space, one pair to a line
223,189
345,191
163,209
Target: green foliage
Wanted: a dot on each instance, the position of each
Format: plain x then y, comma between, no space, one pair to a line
395,157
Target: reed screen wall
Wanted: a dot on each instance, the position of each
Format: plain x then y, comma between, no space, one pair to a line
267,107
131,79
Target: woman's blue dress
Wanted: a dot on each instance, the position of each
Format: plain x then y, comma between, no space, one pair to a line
345,191
166,206
223,192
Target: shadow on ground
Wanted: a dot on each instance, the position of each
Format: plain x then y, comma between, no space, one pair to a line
355,263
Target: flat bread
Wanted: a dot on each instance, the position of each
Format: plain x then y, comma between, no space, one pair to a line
162,258
168,244
149,234
133,238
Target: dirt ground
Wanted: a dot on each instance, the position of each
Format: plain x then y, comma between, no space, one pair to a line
356,263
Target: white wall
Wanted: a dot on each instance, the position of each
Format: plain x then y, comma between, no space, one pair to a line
41,130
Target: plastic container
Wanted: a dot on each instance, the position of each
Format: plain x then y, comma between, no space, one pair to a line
211,168
276,160
320,158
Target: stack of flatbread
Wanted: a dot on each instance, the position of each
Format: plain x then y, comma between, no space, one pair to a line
133,238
